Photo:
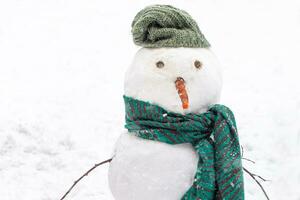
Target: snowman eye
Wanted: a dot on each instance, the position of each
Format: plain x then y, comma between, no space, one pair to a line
198,64
160,64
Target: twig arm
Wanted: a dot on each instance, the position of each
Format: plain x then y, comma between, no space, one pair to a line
253,176
85,174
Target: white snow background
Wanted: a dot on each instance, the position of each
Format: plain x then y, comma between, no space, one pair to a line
62,64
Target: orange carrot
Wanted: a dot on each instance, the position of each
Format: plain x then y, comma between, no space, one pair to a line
180,86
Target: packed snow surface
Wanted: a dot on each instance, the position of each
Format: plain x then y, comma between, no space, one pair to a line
62,66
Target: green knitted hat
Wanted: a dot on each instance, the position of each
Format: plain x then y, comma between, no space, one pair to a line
166,26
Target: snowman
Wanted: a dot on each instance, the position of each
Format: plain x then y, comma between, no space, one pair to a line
172,124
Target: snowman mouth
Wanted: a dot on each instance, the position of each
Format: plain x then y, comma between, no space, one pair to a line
180,86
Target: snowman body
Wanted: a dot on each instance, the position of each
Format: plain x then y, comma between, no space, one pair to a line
148,170
144,169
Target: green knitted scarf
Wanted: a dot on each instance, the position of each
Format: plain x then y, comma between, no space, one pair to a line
213,134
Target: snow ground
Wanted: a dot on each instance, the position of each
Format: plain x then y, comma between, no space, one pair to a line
61,82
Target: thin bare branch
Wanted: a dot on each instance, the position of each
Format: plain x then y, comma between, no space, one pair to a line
242,148
253,176
85,174
260,177
249,160
242,154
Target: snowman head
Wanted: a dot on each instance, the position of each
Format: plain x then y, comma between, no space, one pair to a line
175,69
154,74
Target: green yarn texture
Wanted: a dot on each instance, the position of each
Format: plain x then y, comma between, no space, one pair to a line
166,26
213,134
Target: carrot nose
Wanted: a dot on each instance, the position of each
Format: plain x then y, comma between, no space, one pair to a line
180,86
